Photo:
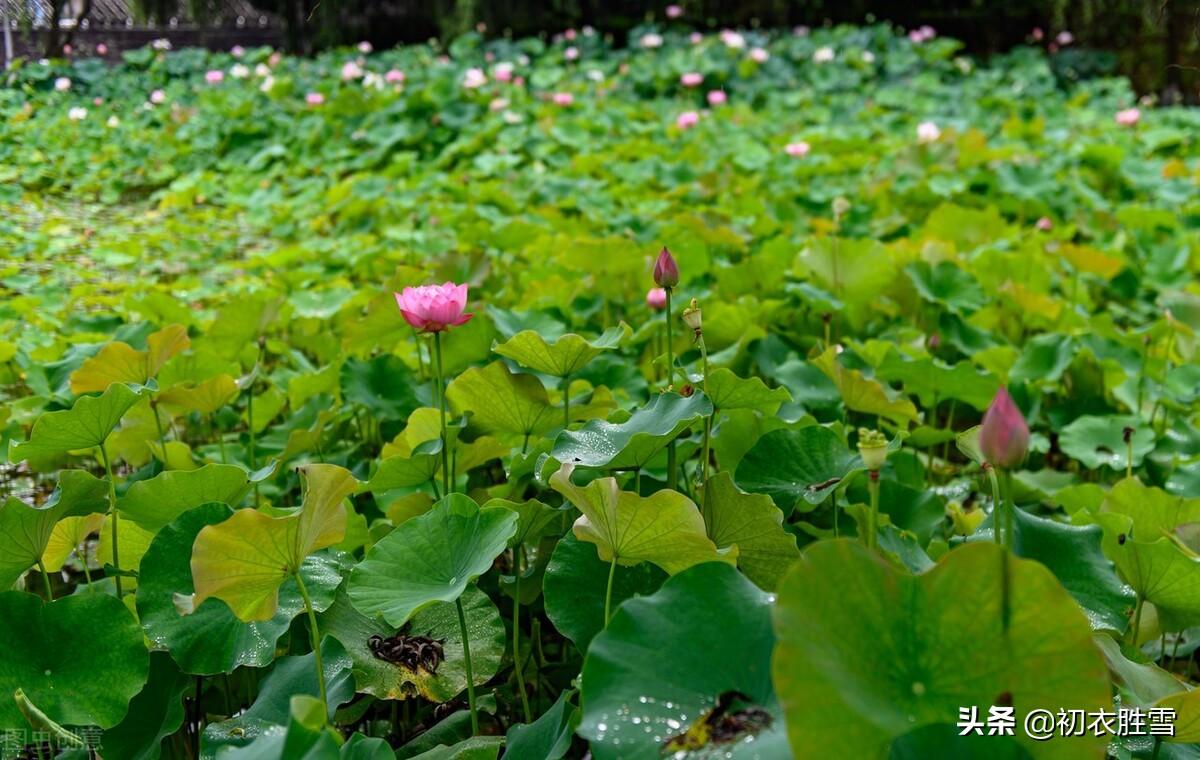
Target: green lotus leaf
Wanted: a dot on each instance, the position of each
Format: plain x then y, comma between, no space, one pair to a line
1044,359
862,394
503,402
154,714
80,659
1099,441
946,284
548,737
860,665
575,585
475,748
1160,569
385,385
753,524
1154,512
388,680
932,381
405,471
632,443
666,660
119,362
85,425
289,677
665,528
244,560
430,558
25,530
565,355
728,391
797,468
211,639
205,397
155,502
534,520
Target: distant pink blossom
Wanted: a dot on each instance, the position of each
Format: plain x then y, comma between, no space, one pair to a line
674,11
158,97
1044,224
563,98
717,97
474,79
651,40
695,38
314,99
801,31
434,308
351,70
97,101
759,55
1037,34
395,76
1128,117
687,120
214,76
237,51
656,298
691,79
498,104
102,49
503,72
571,53
1064,38
365,47
927,132
797,149
570,34
62,84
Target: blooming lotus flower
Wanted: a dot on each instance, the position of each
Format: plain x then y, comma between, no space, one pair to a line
797,149
656,298
928,132
239,71
262,70
563,98
503,72
733,40
214,76
1044,224
1003,436
158,97
687,120
314,99
78,113
62,84
394,76
365,47
162,43
666,271
823,55
651,40
113,122
691,79
759,55
474,79
674,11
434,308
102,49
571,53
1128,117
1064,38
695,38
351,70
717,97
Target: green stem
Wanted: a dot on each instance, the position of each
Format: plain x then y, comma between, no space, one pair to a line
462,627
250,427
873,522
566,386
708,422
517,637
46,581
1137,622
670,356
220,439
612,571
1010,536
1129,455
315,634
437,348
162,439
997,507
112,511
672,466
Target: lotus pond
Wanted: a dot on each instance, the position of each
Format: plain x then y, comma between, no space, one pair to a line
815,394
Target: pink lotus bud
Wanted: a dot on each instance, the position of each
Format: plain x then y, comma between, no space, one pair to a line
1004,436
395,76
215,76
314,98
687,120
797,149
1037,34
563,98
674,11
434,308
656,298
1128,117
717,98
695,38
691,79
1044,224
102,49
666,271
158,97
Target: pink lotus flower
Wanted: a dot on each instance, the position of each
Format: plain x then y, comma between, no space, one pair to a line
695,38
656,298
797,149
563,98
1064,38
503,72
691,79
314,99
62,84
395,76
237,51
674,11
158,97
214,76
759,55
687,120
666,271
1044,224
927,132
1128,117
1037,34
570,34
351,70
474,79
365,47
434,308
571,54
1003,436
717,98
102,49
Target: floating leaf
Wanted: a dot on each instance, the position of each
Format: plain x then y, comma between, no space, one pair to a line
25,530
1098,441
565,355
753,524
797,466
503,402
85,425
632,443
430,558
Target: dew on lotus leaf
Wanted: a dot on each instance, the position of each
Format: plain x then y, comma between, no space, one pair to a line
673,724
602,727
47,672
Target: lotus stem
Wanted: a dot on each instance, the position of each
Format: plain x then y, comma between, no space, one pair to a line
162,439
315,634
462,627
46,581
566,386
873,521
708,421
441,387
112,511
517,637
997,506
612,571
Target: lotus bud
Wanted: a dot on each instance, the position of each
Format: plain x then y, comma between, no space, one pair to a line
656,298
666,271
692,318
873,448
1004,436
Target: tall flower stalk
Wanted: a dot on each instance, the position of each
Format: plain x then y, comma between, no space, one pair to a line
666,276
873,448
1004,441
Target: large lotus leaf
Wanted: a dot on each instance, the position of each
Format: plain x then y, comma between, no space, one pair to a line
1154,511
430,558
563,356
728,391
753,524
121,363
666,659
85,425
68,536
797,467
205,397
1073,553
534,520
576,583
946,284
1161,570
154,714
385,385
289,677
25,530
665,528
932,381
244,560
155,502
405,471
862,394
474,748
1044,359
632,443
503,402
868,653
211,639
388,680
80,659
1098,441
548,737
